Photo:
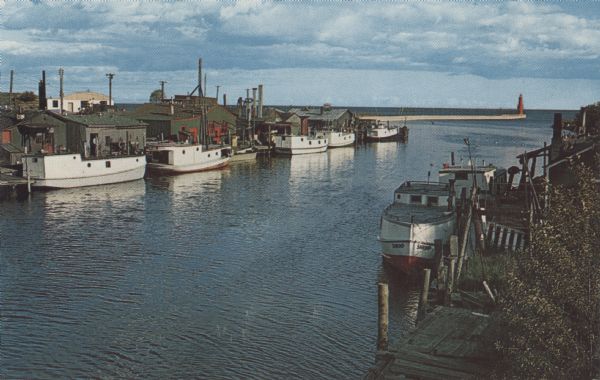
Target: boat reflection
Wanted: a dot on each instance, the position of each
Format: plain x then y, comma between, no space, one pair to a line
341,159
190,183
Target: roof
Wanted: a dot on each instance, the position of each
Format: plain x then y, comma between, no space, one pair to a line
86,95
10,148
161,111
328,114
424,188
105,119
478,169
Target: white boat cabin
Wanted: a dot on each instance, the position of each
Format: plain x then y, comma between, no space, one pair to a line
490,179
423,193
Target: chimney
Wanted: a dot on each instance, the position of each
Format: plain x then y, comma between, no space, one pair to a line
10,91
260,100
254,101
240,105
171,108
224,100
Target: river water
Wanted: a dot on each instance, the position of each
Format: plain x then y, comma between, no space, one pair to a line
262,270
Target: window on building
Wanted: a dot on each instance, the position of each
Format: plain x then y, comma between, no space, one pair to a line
415,199
461,176
398,196
108,164
432,201
55,104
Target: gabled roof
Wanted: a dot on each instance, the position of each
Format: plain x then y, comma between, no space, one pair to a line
105,119
328,114
162,111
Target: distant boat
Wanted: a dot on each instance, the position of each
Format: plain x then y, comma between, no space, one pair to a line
381,132
174,158
419,215
289,144
339,139
58,171
245,154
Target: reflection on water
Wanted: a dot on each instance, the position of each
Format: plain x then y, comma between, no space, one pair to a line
266,270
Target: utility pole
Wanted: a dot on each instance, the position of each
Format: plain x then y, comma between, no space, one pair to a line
61,73
162,90
10,91
110,77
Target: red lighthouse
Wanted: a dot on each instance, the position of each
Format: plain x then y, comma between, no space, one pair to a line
520,105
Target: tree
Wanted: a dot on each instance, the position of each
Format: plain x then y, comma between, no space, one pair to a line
551,312
156,96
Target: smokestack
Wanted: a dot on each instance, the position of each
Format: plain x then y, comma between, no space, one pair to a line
200,77
217,97
557,127
42,102
260,100
240,105
61,73
254,101
225,100
110,77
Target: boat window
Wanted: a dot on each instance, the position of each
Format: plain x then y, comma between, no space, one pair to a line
432,201
415,199
318,142
461,176
74,157
398,196
183,151
197,149
216,153
89,165
108,164
34,159
309,142
282,138
301,138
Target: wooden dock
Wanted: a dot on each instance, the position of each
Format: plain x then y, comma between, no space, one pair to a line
10,184
449,343
399,118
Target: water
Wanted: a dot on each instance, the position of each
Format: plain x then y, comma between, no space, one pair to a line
261,270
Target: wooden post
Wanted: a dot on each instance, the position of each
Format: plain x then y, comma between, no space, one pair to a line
425,291
465,236
450,279
439,270
383,309
28,181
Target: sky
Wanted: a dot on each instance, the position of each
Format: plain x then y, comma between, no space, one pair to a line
479,54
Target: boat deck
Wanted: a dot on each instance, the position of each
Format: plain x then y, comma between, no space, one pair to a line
407,213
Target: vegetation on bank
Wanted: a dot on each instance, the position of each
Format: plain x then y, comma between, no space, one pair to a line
548,315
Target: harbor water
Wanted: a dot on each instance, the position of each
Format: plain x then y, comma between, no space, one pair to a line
266,269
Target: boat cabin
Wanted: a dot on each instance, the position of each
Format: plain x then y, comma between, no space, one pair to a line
490,179
423,193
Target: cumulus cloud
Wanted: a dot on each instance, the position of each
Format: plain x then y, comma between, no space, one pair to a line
493,40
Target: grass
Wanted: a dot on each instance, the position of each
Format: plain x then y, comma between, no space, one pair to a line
490,267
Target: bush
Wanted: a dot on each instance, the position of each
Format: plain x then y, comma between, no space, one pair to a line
27,96
550,311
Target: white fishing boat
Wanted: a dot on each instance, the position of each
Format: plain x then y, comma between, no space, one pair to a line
420,214
173,158
339,139
289,144
245,154
71,170
382,132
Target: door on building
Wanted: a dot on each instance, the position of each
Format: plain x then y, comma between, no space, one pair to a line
94,144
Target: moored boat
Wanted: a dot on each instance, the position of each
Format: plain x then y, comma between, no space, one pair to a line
71,170
246,154
174,158
290,144
381,132
420,214
339,138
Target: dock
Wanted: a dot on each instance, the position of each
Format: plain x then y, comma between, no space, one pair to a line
10,184
449,343
402,118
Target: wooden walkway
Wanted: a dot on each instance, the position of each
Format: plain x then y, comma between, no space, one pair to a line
448,344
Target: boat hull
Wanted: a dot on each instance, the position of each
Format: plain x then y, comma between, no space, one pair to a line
290,151
382,134
69,171
410,247
190,168
291,145
340,139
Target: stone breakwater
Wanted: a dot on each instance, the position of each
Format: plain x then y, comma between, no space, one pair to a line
398,118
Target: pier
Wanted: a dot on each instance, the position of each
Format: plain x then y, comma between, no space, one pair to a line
10,184
400,118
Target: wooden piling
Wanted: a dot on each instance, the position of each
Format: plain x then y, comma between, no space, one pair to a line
425,291
450,280
383,320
